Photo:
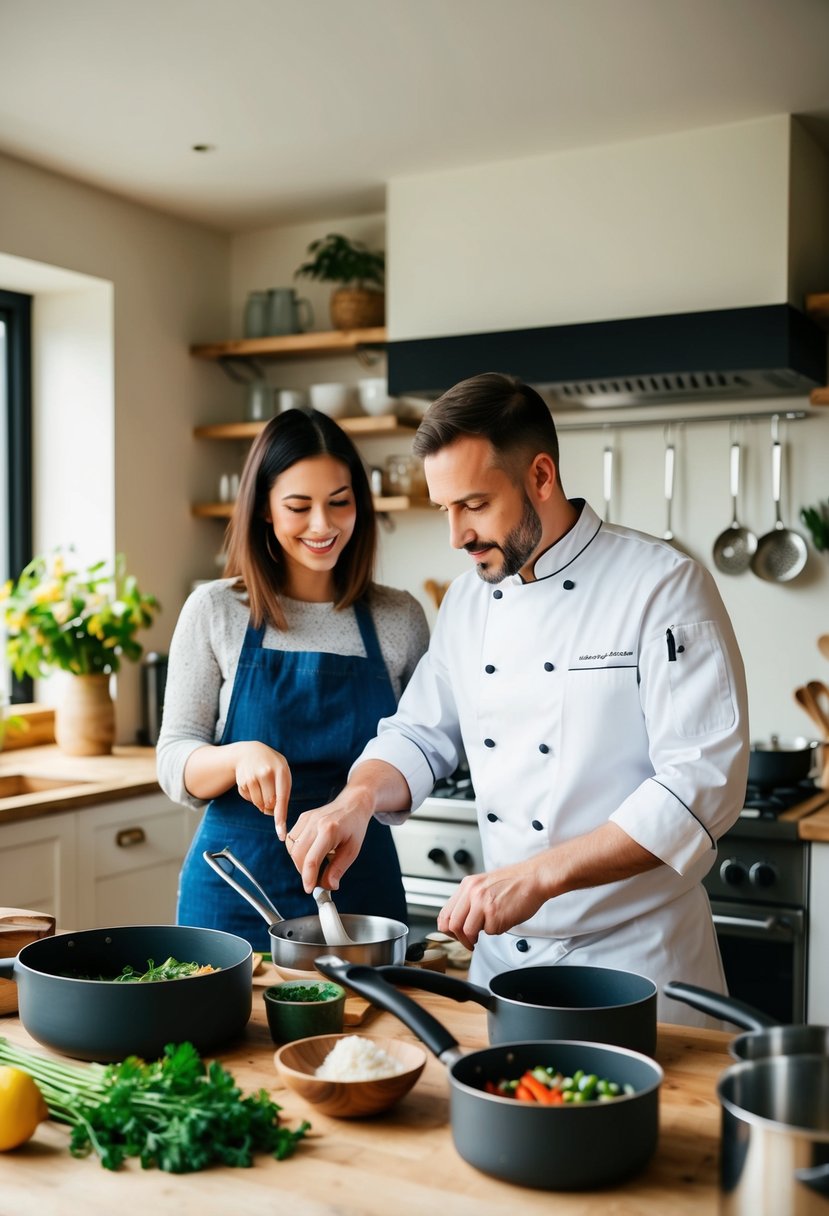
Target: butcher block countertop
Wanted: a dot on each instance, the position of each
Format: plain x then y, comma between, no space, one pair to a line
81,780
400,1162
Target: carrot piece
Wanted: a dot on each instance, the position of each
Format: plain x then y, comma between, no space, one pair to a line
492,1088
524,1093
541,1092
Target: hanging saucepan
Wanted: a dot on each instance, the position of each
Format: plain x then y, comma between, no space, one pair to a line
595,1003
574,1146
296,943
64,1006
781,761
766,1036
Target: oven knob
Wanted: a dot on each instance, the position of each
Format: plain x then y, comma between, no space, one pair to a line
462,857
438,856
733,872
762,874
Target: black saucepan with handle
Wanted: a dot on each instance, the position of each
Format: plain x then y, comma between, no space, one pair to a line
296,942
599,1004
777,761
573,1146
68,1001
766,1037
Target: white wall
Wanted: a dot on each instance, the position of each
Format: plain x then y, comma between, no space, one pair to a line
169,288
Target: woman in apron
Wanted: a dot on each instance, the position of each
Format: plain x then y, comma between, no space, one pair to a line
279,674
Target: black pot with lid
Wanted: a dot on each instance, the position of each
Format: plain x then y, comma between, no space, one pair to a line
780,761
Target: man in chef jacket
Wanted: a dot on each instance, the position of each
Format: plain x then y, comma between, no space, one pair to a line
591,675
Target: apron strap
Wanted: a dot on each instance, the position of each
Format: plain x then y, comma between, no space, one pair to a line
253,637
368,633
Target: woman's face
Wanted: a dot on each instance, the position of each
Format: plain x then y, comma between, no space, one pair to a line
312,511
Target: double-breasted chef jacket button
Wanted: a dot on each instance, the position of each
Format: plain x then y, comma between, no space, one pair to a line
489,742
543,748
492,817
497,595
489,669
568,584
539,827
522,945
549,667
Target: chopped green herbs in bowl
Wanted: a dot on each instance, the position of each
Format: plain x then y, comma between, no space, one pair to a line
298,1009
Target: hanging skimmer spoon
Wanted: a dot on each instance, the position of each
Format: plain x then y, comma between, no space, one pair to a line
781,554
734,547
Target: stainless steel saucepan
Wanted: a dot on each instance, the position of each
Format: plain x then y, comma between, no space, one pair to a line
297,942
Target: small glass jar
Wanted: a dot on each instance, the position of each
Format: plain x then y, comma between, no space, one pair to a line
401,475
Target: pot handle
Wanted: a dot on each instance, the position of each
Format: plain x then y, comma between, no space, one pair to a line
815,1177
370,983
224,863
436,981
7,971
719,1006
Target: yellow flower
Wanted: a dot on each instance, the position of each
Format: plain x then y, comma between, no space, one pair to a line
47,593
95,627
62,611
15,621
5,590
58,568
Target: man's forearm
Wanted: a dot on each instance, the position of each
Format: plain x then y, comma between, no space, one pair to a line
376,786
605,855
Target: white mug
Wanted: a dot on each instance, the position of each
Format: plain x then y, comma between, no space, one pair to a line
291,399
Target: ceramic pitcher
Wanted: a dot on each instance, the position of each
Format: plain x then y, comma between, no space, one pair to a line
285,312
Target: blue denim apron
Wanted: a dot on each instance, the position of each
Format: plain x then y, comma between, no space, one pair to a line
319,710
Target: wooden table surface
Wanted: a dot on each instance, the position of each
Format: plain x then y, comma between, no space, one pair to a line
402,1162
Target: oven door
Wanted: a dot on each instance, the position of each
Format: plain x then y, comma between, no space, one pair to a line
763,950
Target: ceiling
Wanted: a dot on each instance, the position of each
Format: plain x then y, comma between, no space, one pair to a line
311,106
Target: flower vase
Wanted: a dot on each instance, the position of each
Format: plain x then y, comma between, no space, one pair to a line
85,717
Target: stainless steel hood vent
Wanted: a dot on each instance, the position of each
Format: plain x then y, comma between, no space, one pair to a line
767,351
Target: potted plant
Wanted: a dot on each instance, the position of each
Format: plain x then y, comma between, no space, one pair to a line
360,302
82,622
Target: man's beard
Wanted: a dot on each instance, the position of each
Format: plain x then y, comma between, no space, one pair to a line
518,546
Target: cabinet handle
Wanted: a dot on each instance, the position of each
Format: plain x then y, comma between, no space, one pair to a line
127,837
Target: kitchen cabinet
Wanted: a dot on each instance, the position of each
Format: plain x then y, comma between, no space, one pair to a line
302,346
128,859
113,863
818,993
37,866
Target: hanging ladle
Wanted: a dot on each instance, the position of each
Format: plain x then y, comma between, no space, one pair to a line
735,547
781,553
607,480
670,461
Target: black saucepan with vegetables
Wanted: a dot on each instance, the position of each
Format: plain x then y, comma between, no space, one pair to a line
594,1003
74,995
596,1137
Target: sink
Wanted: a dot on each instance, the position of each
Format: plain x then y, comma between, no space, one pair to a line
16,785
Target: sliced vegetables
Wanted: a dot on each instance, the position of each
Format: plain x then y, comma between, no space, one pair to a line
548,1087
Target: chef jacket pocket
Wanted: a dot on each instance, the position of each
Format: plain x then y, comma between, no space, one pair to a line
701,694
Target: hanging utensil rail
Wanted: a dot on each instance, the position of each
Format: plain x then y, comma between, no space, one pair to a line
783,415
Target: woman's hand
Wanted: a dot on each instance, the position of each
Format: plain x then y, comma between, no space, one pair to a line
263,778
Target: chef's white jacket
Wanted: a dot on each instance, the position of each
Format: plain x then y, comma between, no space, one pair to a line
611,688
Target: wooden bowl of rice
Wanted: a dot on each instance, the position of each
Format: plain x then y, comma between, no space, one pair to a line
356,1080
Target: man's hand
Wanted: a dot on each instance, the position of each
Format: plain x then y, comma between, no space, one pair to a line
493,903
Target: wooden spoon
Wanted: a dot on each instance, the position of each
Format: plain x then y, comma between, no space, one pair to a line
806,700
819,693
823,645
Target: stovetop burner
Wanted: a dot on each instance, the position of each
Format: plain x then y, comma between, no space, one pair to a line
458,785
767,802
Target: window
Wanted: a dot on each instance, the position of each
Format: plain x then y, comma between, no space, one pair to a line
15,444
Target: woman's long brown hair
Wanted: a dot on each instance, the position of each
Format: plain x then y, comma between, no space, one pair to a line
253,553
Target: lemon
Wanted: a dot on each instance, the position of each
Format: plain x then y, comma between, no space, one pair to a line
21,1107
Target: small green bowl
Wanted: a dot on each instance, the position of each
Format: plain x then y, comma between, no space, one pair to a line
299,1009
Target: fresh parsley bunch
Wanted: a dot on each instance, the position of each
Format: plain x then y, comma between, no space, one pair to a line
176,1114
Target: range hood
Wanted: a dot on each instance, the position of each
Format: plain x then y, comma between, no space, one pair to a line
766,351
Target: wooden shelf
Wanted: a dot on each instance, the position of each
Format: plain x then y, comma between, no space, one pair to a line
399,502
364,427
292,346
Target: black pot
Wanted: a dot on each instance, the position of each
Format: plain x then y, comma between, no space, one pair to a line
781,761
558,1148
597,1004
767,1038
98,1020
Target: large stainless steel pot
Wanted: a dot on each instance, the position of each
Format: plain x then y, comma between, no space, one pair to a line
558,1148
594,1003
296,943
92,1019
775,1137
